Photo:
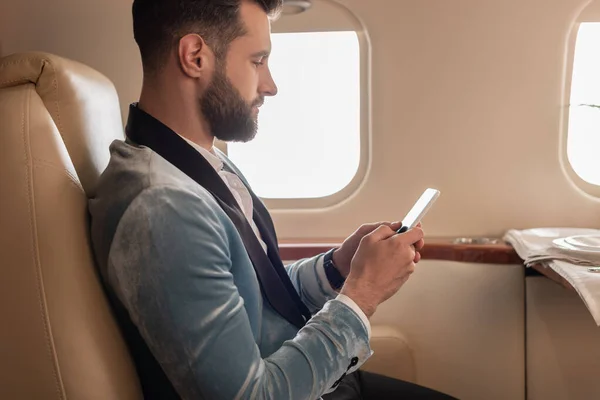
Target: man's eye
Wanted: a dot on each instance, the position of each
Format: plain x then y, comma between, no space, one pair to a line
257,63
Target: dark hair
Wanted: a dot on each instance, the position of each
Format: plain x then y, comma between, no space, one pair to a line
159,24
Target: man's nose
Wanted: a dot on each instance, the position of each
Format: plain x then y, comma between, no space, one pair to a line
268,88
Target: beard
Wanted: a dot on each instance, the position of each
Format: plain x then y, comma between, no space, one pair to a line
229,116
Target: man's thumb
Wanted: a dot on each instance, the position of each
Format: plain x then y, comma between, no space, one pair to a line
412,235
381,233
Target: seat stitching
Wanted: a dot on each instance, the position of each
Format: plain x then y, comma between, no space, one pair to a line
36,258
44,60
21,60
56,102
72,178
24,80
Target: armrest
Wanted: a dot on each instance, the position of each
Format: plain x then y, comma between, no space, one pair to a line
392,355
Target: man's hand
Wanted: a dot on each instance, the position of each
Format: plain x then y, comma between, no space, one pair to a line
342,257
383,263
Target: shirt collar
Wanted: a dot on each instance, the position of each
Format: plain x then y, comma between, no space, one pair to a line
212,158
139,119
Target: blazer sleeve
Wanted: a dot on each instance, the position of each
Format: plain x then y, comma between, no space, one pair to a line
169,264
309,279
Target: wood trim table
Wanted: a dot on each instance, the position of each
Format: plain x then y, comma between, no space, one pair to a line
483,251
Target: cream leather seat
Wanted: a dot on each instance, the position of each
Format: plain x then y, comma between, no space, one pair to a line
58,338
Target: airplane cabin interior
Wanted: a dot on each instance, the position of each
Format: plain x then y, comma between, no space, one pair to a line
496,104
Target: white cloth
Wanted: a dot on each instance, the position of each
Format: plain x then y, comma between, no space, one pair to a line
535,246
244,199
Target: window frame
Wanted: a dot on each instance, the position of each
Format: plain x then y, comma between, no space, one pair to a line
583,186
365,127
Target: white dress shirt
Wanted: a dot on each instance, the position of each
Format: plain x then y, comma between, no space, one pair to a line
243,198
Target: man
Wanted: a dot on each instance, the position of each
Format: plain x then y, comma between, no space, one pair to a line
189,254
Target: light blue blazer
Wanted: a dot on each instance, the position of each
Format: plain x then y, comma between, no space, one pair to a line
177,264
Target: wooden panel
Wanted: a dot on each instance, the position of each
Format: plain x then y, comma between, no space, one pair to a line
492,251
435,249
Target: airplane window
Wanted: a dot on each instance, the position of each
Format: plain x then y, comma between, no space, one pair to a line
308,141
583,140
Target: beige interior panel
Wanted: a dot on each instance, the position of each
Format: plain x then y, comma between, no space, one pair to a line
563,344
591,12
465,326
322,16
97,33
467,97
392,355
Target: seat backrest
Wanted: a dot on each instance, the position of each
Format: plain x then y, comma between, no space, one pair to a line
59,339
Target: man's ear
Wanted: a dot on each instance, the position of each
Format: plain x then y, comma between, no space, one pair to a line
194,56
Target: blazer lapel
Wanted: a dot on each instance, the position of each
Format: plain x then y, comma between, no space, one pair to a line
276,286
265,225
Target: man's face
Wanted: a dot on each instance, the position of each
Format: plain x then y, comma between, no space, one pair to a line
230,103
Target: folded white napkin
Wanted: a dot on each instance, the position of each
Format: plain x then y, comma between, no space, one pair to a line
535,246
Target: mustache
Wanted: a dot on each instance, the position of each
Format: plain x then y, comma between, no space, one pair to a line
258,102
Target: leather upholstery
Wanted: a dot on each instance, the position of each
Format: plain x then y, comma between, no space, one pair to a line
57,119
59,339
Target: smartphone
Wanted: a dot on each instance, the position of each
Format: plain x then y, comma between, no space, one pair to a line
418,211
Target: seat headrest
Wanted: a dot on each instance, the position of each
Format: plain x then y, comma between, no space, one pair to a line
82,102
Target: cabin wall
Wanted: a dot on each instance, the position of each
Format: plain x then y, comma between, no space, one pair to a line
467,96
563,344
465,325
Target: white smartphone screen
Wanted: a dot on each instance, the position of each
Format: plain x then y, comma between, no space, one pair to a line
418,211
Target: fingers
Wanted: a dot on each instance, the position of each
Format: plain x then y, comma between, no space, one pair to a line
417,257
396,225
412,255
410,268
419,245
411,236
365,229
409,272
380,233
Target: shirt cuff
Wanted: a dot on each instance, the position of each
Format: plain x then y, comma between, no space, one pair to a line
350,303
